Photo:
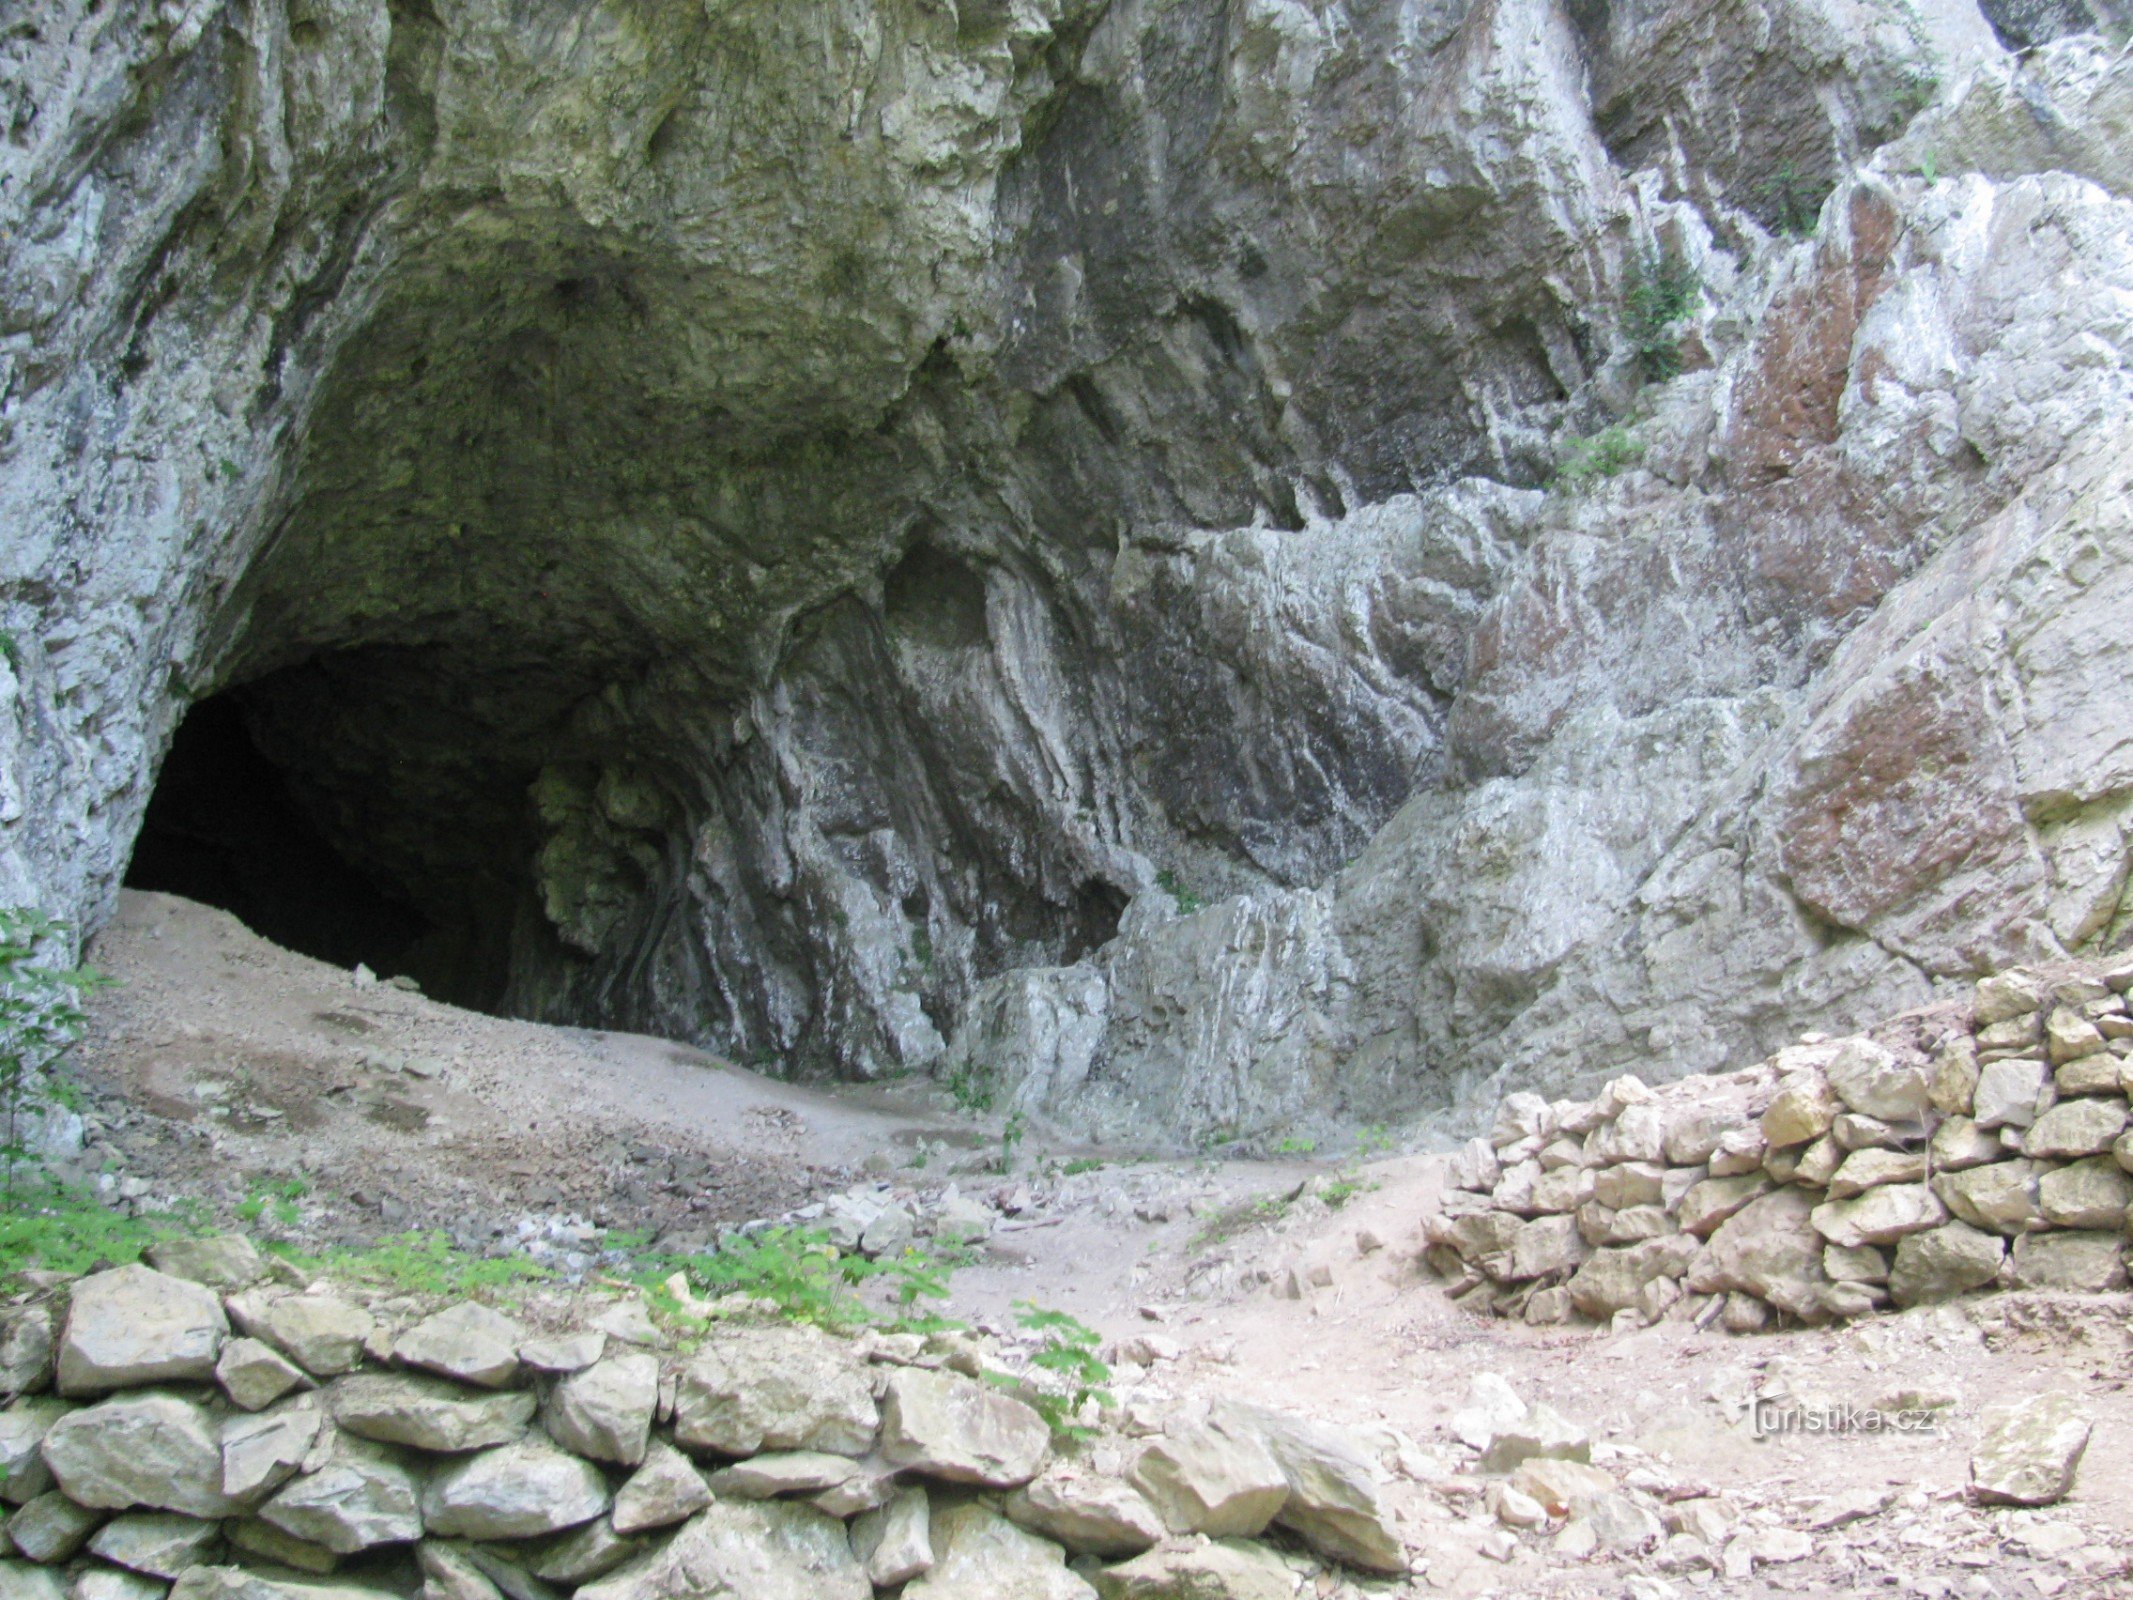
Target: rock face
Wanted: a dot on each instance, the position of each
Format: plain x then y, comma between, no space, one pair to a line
1106,617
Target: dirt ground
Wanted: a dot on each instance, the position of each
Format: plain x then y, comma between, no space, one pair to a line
221,1067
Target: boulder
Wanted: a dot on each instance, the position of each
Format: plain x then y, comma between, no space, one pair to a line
756,1389
1855,1264
469,1341
2001,1198
249,1536
894,1542
2075,1128
159,1543
753,1550
135,1326
1612,1279
2027,1452
1201,1479
115,1583
450,1572
1959,1143
605,1412
1770,1249
1879,1216
1638,1133
254,1374
1333,1503
239,1583
797,1472
2091,1263
1874,1169
2007,1091
2004,996
563,1353
516,1491
1560,1486
322,1333
2069,1036
23,1474
1954,1078
26,1344
1804,1108
1200,1569
946,1426
261,1451
224,1262
590,1551
1541,1431
51,1528
1694,1134
1870,1080
427,1413
664,1490
1942,1262
361,1495
1632,1183
1543,1247
21,1581
1709,1203
2086,1194
979,1555
140,1449
1087,1513
2090,1075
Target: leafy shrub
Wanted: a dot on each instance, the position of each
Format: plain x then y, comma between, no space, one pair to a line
1662,291
972,1085
1067,1354
1187,902
1610,451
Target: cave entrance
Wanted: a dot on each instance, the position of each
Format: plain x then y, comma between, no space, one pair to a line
226,827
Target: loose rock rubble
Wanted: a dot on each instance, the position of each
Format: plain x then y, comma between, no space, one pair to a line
210,1433
1837,1178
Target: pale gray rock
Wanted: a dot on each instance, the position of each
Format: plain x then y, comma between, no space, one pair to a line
979,1555
470,1342
1201,1479
427,1413
159,1543
755,1389
2007,1091
563,1353
766,1550
51,1528
516,1491
145,1449
254,1374
1087,1513
1221,1569
21,1581
261,1451
943,1425
1541,1432
135,1326
798,1472
2028,1451
605,1412
26,1345
240,1583
23,1425
252,1537
894,1542
2002,1197
1334,1505
361,1495
223,1261
586,1553
2075,1128
115,1583
1942,1262
449,1572
322,1333
666,1488
1870,1080
1770,1249
1879,1216
2086,1194
2088,1262
1959,1142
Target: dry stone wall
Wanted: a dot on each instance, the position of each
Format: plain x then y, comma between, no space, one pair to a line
202,1430
1839,1177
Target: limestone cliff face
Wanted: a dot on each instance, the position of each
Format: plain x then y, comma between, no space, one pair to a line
1018,533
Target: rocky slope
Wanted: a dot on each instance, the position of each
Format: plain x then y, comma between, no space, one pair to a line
1010,538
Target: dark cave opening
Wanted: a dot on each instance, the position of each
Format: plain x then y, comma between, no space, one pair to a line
225,827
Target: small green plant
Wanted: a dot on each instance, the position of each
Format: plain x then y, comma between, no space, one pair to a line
1079,1165
58,1228
41,1019
1929,168
1066,1352
1242,1215
1015,1130
1662,291
1295,1145
1186,901
972,1085
1792,199
922,947
1610,451
413,1263
803,1275
10,651
1337,1192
